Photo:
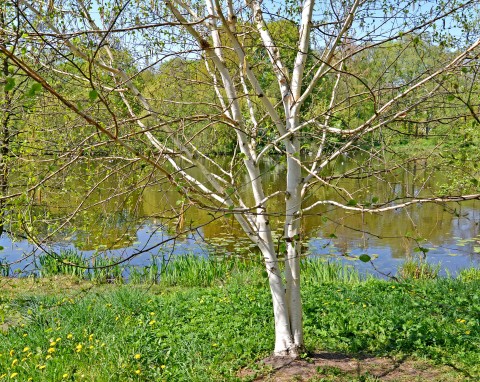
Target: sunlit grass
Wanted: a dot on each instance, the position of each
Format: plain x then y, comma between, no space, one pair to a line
66,329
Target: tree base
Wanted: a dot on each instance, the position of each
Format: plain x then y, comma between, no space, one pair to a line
293,352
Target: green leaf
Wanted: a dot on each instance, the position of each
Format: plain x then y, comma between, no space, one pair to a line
375,199
450,97
36,87
92,95
421,249
365,258
352,202
10,84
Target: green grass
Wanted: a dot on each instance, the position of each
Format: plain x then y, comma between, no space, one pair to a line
192,332
418,270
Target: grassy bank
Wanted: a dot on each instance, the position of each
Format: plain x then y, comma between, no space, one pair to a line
206,328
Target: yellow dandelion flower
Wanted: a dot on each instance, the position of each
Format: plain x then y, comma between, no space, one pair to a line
13,375
25,349
14,362
90,337
163,366
91,347
58,339
23,359
41,367
467,332
12,352
152,313
29,354
29,379
137,356
69,336
48,357
78,348
25,335
3,376
64,376
152,322
51,350
214,345
52,343
137,371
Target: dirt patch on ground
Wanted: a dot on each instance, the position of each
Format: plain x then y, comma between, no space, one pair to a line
335,367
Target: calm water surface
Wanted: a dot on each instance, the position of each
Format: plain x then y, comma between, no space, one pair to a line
135,222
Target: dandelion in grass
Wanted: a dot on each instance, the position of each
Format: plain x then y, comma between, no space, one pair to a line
163,367
48,357
41,367
78,348
25,349
137,356
152,322
138,372
69,336
467,332
51,350
65,376
13,375
12,352
14,362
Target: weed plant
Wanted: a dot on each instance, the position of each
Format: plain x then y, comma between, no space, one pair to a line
418,270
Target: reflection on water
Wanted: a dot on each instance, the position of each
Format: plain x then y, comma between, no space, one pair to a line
133,219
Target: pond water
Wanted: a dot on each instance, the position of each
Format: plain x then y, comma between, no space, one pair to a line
139,224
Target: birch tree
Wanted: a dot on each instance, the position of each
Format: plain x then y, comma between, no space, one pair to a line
274,94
